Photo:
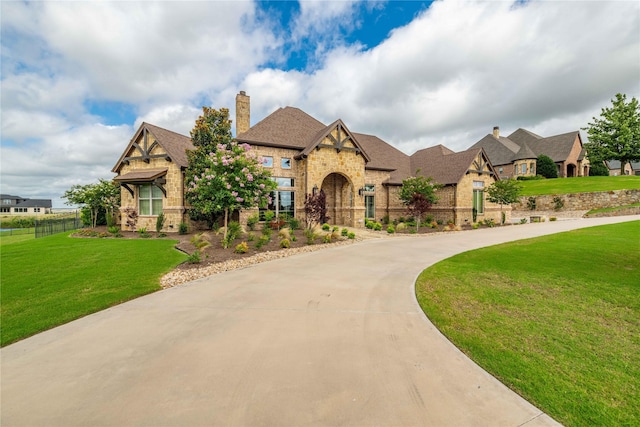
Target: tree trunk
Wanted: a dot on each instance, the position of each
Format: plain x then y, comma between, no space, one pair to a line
225,244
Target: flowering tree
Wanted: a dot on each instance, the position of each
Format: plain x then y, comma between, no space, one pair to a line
233,178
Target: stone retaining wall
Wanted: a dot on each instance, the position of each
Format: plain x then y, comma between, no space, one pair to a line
581,201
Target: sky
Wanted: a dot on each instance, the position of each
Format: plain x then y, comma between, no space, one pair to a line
79,77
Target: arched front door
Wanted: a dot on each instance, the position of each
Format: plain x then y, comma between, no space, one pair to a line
340,198
571,170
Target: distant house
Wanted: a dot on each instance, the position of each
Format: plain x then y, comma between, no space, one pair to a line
516,154
632,168
21,205
361,175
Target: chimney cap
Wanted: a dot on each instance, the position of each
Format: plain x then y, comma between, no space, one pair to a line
243,93
496,127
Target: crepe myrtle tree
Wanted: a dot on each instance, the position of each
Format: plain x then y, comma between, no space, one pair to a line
418,193
233,178
102,197
503,192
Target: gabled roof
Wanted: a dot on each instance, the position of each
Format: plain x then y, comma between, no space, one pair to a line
174,144
500,151
523,136
443,165
524,144
344,137
558,147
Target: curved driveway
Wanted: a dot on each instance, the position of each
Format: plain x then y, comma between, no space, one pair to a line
331,338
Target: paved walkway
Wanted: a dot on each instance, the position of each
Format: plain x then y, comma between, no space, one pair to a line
327,338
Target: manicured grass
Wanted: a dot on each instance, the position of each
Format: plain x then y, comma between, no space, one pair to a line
612,209
6,239
555,318
581,184
49,281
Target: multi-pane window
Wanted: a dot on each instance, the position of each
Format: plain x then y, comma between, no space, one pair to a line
285,163
5,210
532,168
283,200
478,196
369,201
149,200
523,168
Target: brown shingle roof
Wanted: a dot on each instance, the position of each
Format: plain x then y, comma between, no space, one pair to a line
175,144
443,165
287,127
557,147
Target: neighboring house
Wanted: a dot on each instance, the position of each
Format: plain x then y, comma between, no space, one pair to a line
360,174
22,205
629,169
516,154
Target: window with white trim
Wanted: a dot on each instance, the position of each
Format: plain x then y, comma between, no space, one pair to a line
149,199
267,161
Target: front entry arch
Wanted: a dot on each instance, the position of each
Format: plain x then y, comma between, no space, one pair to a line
571,170
339,192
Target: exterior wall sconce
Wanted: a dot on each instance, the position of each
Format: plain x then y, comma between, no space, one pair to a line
361,191
315,190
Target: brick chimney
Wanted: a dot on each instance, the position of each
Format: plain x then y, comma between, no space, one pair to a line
243,112
496,131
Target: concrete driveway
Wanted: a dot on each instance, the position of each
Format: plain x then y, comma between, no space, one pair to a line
331,338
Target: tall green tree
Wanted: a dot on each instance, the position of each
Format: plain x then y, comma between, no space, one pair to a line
233,179
615,135
102,197
503,192
546,166
418,193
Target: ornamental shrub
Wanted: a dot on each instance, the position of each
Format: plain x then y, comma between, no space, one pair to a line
183,228
285,243
252,221
351,235
377,226
344,232
241,248
326,227
391,229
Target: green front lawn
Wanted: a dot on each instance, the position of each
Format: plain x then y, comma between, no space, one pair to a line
556,318
581,184
52,280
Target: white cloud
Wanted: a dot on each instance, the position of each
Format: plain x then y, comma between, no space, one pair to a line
449,76
471,65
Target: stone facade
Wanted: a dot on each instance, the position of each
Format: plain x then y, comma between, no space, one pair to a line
173,205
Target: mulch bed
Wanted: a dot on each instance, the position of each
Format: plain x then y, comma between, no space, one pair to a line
215,253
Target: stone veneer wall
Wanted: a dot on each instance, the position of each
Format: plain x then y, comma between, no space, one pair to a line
583,201
277,171
172,204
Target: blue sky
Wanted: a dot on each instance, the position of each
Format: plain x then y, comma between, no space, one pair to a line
78,78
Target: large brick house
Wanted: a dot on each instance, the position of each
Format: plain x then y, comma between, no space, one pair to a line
360,174
516,154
